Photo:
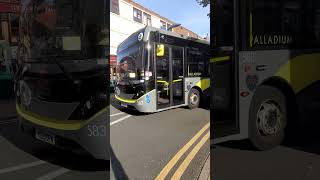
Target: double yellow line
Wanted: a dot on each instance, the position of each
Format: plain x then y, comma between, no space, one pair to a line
177,175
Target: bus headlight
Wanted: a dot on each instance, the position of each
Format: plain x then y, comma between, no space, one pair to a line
132,75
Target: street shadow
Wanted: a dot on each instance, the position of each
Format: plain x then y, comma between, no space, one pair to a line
7,109
240,145
205,103
51,154
117,168
306,140
6,90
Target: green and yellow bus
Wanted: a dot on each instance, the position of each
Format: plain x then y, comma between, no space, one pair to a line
158,70
62,80
264,68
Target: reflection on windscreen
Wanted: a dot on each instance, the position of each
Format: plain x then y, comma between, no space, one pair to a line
60,28
130,63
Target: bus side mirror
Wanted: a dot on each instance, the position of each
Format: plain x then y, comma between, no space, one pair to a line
160,50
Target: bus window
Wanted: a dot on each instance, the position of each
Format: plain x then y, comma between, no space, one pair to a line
177,75
162,64
197,62
224,23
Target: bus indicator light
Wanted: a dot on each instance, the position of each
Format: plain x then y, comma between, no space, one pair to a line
244,94
247,67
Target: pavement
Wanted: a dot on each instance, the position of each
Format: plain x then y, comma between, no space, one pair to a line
205,172
169,144
294,161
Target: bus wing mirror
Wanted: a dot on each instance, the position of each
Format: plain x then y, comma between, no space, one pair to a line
160,50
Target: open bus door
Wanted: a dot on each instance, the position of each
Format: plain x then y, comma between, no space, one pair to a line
224,53
169,72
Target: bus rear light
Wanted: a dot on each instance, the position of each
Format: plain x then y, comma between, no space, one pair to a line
244,94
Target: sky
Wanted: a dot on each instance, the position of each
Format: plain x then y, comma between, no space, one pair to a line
188,13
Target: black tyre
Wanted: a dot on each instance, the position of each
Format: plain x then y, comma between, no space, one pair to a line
193,98
267,118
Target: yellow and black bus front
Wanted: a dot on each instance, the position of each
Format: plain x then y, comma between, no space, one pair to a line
158,70
62,80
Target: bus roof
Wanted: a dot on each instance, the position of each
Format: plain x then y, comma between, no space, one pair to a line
149,29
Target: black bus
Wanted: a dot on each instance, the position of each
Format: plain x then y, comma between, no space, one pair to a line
62,80
159,70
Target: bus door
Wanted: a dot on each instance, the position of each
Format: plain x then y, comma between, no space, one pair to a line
223,70
169,74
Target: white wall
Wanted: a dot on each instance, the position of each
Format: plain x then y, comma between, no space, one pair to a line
122,26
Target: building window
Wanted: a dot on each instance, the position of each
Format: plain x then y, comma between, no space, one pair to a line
163,25
168,25
147,19
137,15
115,6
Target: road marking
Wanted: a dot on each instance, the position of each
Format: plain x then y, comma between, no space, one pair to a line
116,114
176,158
119,120
21,166
53,174
177,175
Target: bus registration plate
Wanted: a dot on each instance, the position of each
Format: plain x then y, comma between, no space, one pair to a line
45,137
124,105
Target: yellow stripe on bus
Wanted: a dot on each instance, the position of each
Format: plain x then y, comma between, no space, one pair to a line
219,59
131,101
203,84
55,123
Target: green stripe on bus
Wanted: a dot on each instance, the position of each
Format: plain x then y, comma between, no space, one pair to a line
251,30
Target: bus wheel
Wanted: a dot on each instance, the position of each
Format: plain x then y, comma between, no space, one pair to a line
194,98
268,116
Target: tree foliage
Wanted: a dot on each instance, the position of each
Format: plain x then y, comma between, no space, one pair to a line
204,3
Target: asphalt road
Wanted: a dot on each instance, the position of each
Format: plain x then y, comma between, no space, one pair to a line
145,146
294,161
22,157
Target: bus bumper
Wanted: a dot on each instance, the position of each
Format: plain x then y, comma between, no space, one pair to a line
91,138
146,103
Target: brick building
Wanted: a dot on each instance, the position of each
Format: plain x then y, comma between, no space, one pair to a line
9,22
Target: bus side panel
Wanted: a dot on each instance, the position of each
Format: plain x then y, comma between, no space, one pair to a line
189,83
254,68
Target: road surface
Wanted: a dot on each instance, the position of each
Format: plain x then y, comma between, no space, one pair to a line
294,161
169,144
